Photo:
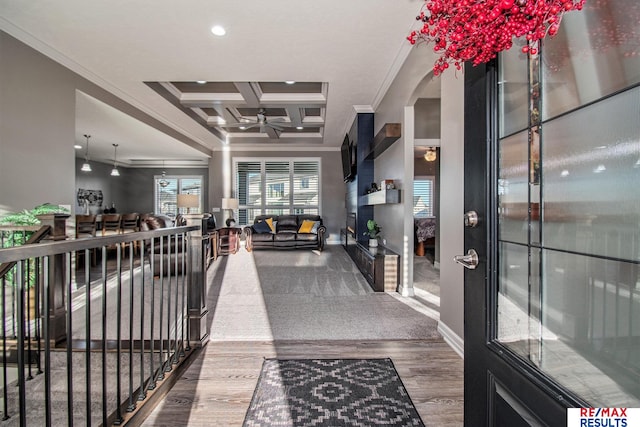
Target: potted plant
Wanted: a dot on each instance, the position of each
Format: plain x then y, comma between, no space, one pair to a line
373,231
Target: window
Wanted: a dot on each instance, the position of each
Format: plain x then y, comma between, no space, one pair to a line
423,197
167,189
277,187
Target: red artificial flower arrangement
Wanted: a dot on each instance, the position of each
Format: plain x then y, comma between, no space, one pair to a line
476,30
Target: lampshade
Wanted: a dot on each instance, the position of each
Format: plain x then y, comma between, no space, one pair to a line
188,201
430,155
229,203
86,166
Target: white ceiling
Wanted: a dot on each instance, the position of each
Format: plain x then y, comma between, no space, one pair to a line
353,47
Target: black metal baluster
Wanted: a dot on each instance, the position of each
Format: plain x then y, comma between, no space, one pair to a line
118,419
21,379
161,354
104,333
132,402
143,391
184,278
189,261
28,324
47,344
167,366
175,316
38,292
69,348
5,397
152,371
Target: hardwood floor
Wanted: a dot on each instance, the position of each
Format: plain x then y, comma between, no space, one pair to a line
217,388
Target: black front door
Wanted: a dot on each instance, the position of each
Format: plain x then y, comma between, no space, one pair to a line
497,392
552,165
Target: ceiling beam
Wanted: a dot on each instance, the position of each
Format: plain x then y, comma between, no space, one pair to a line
247,90
294,115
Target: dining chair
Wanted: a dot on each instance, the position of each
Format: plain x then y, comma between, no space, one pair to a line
130,223
85,229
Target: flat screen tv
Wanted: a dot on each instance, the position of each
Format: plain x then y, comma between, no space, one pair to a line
348,166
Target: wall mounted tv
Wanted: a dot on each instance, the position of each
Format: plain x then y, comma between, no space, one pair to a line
348,159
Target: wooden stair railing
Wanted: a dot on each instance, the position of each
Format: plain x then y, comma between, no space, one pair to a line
36,237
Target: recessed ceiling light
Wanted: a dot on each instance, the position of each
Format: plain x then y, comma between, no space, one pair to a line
242,127
77,147
201,82
290,82
218,30
299,127
564,173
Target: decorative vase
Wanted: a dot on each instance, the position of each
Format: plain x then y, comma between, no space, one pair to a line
373,243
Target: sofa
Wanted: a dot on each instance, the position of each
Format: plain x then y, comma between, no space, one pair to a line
154,222
285,232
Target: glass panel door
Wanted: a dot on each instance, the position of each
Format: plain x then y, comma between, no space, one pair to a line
568,294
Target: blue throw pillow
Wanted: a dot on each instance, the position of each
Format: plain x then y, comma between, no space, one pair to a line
261,227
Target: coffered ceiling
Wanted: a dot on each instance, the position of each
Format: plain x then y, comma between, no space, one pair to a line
343,55
253,112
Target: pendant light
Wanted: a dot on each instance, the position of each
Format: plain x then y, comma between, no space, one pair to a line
163,181
86,167
115,171
430,155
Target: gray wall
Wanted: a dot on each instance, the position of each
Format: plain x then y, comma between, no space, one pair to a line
333,208
405,91
133,190
37,127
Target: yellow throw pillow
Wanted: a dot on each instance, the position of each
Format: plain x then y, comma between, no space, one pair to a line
306,226
269,221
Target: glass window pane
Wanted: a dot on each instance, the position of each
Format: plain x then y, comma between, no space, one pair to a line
166,197
594,54
591,326
249,183
513,89
591,172
422,198
305,183
277,183
513,196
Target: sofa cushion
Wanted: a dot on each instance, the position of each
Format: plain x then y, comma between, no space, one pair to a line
287,223
262,227
284,237
155,222
306,237
262,237
271,224
308,226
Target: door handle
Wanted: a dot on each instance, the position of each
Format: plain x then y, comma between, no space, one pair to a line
470,260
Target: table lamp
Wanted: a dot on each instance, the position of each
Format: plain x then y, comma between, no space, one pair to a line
231,204
188,201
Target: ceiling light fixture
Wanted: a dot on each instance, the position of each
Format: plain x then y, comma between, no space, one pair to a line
163,181
115,171
201,82
430,155
290,82
86,167
218,30
299,127
77,146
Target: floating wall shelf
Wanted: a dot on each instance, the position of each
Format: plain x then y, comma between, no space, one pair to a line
389,134
380,197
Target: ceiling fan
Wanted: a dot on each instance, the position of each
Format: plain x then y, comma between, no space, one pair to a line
261,121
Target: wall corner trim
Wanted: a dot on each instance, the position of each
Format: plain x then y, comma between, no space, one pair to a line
451,338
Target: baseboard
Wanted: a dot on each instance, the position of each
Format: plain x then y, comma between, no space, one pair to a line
451,338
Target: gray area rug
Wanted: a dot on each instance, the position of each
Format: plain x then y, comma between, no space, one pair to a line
305,295
330,392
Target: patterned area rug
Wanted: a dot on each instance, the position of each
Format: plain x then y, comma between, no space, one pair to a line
330,392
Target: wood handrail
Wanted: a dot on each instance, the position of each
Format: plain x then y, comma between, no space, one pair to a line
36,237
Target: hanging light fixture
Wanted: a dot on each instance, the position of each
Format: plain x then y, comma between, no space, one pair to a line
163,181
115,171
431,154
86,167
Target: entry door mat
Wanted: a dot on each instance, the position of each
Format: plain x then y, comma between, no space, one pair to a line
330,392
